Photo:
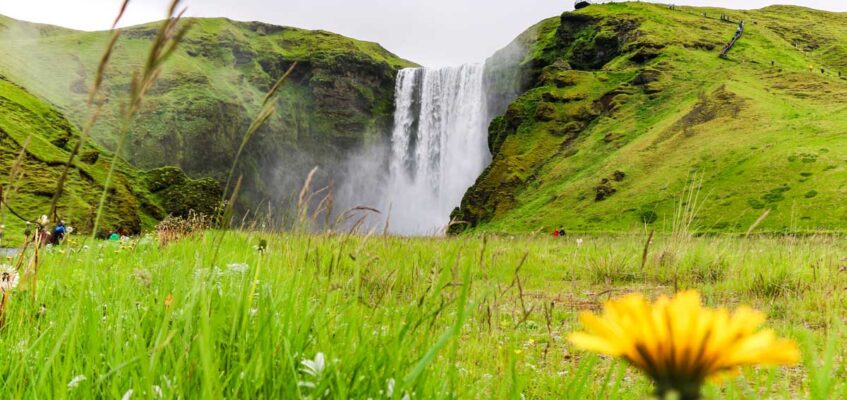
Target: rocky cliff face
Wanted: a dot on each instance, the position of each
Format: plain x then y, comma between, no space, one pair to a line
339,97
35,144
608,115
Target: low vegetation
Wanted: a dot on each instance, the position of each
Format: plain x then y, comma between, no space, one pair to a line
252,314
196,310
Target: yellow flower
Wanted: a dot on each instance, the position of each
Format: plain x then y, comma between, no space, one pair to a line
679,343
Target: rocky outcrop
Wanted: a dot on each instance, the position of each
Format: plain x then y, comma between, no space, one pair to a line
556,79
35,145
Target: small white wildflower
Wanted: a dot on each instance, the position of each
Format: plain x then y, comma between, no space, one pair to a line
314,367
127,395
390,391
75,381
157,391
21,346
238,267
579,242
8,278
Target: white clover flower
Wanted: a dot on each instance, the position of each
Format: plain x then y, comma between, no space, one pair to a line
9,278
75,381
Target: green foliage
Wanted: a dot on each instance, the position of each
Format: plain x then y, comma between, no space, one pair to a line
440,318
23,117
649,216
179,194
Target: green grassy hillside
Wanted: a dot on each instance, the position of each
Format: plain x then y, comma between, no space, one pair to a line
628,105
340,95
137,199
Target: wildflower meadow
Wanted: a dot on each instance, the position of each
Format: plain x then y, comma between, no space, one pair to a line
216,315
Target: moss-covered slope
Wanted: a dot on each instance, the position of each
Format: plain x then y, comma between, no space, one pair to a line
35,133
339,96
626,105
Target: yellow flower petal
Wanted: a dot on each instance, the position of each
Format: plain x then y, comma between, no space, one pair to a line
594,344
677,340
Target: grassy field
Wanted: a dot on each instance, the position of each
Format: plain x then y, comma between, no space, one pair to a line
336,316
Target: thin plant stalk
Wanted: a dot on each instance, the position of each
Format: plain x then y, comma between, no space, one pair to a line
268,109
167,40
92,119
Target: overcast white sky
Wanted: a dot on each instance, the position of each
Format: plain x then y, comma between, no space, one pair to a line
430,32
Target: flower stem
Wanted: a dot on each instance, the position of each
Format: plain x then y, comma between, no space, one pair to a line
686,391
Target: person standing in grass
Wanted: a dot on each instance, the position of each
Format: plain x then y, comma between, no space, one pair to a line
58,233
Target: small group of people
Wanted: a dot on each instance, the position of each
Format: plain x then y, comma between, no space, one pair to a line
738,33
45,235
559,232
117,234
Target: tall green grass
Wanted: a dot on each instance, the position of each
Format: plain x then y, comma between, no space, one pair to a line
431,318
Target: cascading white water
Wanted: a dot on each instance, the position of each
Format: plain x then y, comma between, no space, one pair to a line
438,146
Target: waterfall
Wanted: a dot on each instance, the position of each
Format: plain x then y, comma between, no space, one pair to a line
438,146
